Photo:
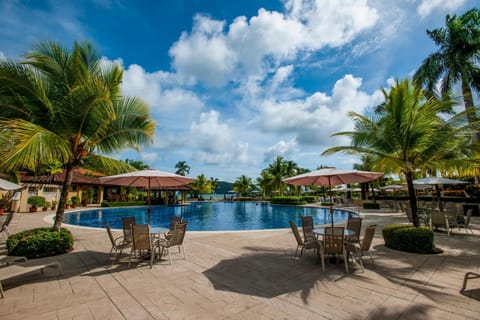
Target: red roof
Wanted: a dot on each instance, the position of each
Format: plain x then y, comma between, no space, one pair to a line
78,178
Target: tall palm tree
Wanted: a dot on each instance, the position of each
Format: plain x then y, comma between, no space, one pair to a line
137,164
278,171
61,105
407,133
456,61
182,168
265,183
213,183
243,184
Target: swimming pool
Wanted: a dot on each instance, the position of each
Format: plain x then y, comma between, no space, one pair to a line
208,216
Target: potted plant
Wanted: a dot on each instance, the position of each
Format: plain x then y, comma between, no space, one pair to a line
46,205
68,203
54,204
75,201
35,202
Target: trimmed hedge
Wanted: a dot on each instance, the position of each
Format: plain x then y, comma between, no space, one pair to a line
370,205
310,199
40,242
292,200
107,204
408,238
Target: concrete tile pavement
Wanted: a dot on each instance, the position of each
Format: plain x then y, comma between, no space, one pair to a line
244,275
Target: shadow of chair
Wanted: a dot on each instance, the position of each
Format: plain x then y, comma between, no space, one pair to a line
358,250
472,293
118,244
333,245
175,240
142,245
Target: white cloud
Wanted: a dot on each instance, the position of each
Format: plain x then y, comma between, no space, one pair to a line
214,55
426,7
314,119
2,56
281,148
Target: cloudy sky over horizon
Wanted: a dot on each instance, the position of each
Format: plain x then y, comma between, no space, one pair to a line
232,85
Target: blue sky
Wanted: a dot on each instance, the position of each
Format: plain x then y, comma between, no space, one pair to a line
233,84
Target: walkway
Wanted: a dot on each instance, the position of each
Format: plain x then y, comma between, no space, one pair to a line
248,275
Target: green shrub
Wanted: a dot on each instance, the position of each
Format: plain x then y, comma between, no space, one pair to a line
105,204
123,204
75,201
36,201
292,200
310,199
40,242
369,205
408,238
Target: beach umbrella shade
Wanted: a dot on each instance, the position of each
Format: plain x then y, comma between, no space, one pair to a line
9,186
149,179
331,177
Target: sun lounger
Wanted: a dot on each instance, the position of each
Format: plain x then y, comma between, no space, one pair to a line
23,268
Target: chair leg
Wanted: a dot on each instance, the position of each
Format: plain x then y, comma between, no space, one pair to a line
169,255
323,259
345,260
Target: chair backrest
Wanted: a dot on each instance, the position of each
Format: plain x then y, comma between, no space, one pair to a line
127,223
355,224
8,218
178,233
333,240
110,235
368,237
174,220
469,215
296,233
141,237
438,218
307,228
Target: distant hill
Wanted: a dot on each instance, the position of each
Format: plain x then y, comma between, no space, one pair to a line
223,187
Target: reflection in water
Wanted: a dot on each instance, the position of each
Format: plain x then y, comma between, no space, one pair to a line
208,216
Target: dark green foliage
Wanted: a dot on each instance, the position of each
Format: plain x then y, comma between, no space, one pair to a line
75,200
293,200
368,205
244,199
310,199
36,201
408,238
473,190
123,204
40,242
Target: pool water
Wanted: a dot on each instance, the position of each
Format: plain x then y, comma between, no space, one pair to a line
208,216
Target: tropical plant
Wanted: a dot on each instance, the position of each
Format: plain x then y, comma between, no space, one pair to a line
61,105
456,61
182,168
137,164
407,133
265,182
36,201
243,185
202,185
213,183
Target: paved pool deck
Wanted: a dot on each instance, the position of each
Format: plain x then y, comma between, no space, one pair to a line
249,275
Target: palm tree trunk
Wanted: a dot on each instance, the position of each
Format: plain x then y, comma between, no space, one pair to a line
67,183
471,118
413,197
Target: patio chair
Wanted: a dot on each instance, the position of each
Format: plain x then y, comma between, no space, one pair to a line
307,228
466,222
141,243
127,223
118,244
438,219
173,221
354,224
176,239
301,244
333,245
358,250
25,267
5,220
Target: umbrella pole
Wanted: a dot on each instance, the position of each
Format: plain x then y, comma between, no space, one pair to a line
331,201
148,200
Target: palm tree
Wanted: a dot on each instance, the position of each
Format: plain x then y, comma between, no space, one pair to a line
182,168
202,185
242,185
61,105
456,60
137,164
366,165
278,171
265,183
213,183
407,133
